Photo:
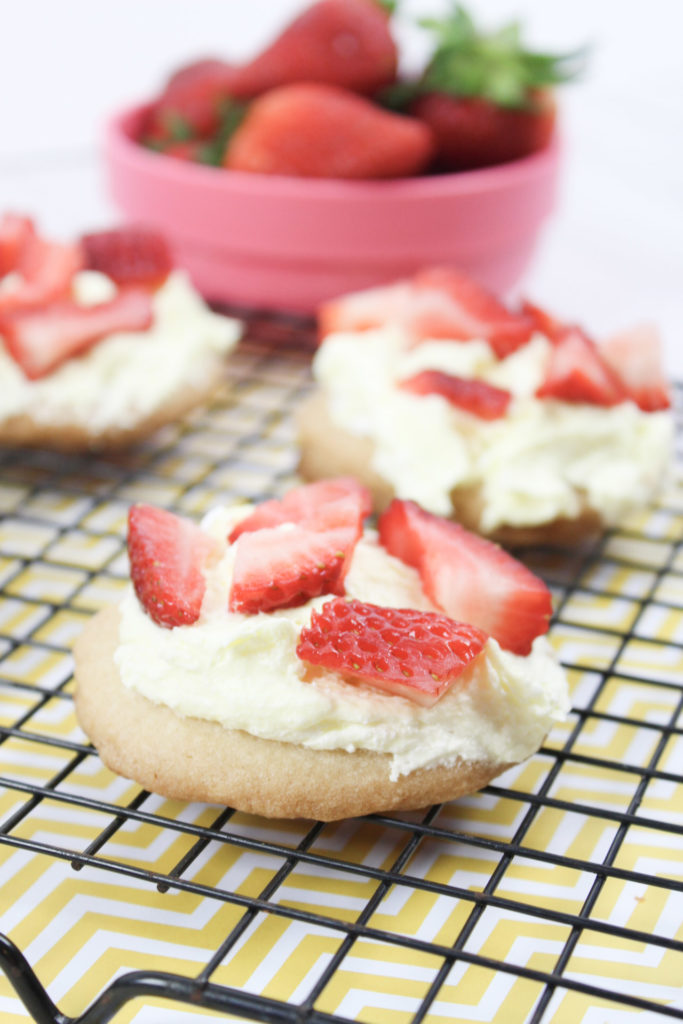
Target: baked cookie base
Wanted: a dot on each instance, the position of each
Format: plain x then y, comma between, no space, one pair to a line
23,431
329,450
192,759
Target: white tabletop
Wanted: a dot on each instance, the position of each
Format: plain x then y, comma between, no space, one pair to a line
611,256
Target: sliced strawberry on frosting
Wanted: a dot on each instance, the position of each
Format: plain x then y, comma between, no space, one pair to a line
404,652
326,504
546,323
471,579
167,554
15,232
46,270
473,396
287,565
129,255
635,356
473,312
40,340
438,302
577,373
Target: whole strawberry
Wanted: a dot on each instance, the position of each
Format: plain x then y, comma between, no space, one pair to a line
342,42
321,131
486,97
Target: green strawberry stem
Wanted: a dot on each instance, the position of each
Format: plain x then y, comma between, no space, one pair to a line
494,66
232,115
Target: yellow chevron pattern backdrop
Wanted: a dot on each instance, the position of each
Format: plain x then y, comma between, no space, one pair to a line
501,876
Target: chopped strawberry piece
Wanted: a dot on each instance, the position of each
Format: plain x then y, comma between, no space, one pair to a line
167,554
404,652
364,310
473,312
285,566
437,303
577,373
468,577
15,231
635,356
341,42
324,505
544,322
46,269
313,130
130,255
40,340
474,396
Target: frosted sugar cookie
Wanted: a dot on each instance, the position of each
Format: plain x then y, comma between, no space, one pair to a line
289,661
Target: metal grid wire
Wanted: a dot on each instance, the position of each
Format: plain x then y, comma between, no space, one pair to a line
529,895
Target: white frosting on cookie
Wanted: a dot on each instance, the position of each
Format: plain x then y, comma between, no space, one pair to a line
127,376
243,671
545,459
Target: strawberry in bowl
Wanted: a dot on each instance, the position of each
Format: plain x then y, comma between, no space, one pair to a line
290,661
508,419
102,340
314,168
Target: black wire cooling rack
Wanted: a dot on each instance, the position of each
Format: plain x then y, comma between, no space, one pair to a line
555,895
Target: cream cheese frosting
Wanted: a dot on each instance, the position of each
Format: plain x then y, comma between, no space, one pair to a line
243,672
544,460
127,375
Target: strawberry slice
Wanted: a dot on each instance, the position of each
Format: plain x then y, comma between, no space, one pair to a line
474,396
438,302
473,312
577,373
635,356
15,232
130,255
468,577
324,505
166,554
40,340
544,322
404,652
46,269
285,566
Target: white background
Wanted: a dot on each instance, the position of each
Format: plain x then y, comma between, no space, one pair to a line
612,254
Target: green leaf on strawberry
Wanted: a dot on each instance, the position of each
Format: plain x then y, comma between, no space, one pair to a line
494,66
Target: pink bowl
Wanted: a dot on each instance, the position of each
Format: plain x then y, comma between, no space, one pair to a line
289,243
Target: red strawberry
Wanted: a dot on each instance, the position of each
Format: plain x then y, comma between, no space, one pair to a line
15,231
577,373
166,554
286,566
635,356
193,150
341,42
191,104
473,312
404,652
472,132
485,96
438,302
544,322
130,255
474,396
40,340
47,270
324,505
322,131
468,577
